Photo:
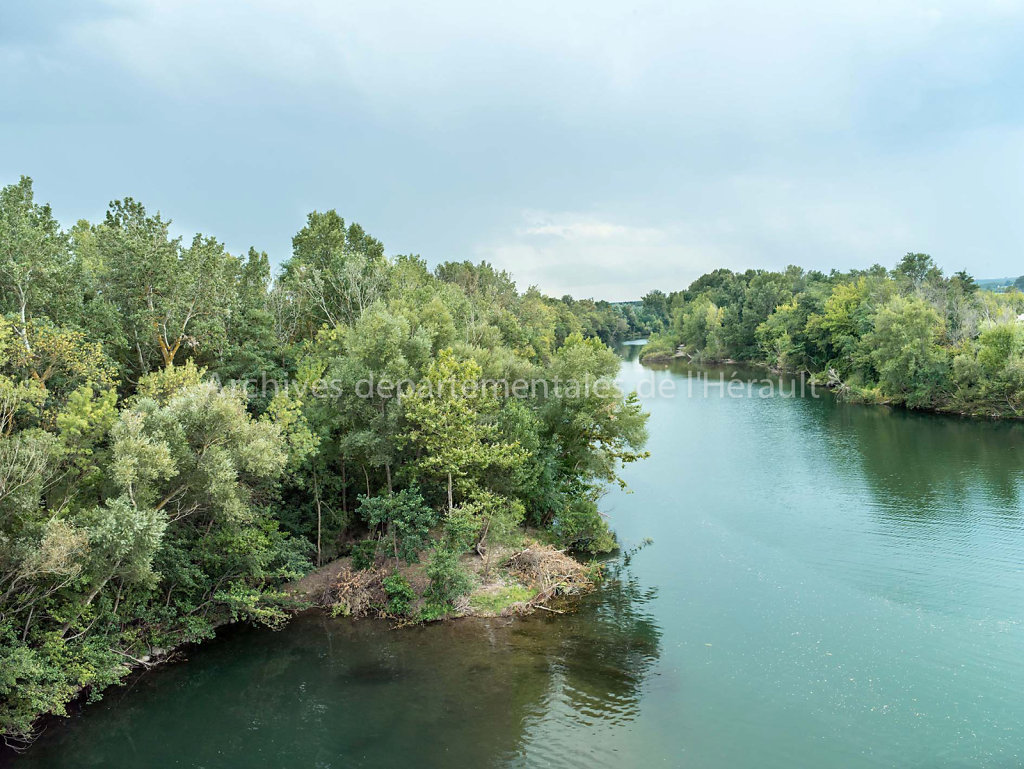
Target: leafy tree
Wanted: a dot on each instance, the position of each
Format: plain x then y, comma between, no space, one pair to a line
36,277
142,503
167,297
915,269
595,429
904,348
335,271
656,305
451,425
404,518
502,519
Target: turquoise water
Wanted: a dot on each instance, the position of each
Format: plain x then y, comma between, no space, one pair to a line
829,586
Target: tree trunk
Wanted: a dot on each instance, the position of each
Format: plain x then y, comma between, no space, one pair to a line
88,601
23,331
451,504
319,520
344,490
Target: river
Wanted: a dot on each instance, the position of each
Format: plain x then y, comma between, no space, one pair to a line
830,585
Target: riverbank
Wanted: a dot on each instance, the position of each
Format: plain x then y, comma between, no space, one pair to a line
510,582
506,582
849,393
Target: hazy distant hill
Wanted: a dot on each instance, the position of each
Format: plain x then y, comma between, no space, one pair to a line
995,284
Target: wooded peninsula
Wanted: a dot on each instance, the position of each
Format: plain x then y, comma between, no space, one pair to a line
146,498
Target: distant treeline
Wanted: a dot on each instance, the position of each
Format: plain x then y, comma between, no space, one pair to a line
144,499
909,335
1002,284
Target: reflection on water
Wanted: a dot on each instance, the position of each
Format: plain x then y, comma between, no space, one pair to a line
337,693
925,462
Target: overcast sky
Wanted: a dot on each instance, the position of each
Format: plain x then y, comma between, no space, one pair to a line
595,148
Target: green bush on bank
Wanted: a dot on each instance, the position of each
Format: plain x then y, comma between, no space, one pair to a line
658,346
400,594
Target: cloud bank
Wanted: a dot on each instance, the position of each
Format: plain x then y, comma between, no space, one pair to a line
593,148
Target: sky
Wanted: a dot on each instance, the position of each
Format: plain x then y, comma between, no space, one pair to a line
593,148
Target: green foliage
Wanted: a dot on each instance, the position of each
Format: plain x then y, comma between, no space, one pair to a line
581,527
164,384
404,517
999,344
452,426
594,427
432,612
167,299
37,275
904,349
462,528
449,580
658,346
400,595
494,520
364,554
909,336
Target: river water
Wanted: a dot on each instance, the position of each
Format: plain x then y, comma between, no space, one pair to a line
829,586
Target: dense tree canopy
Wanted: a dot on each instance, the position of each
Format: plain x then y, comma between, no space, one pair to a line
908,335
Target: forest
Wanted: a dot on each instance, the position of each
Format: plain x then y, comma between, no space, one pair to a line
908,336
185,430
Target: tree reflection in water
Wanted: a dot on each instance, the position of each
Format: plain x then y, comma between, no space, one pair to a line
336,693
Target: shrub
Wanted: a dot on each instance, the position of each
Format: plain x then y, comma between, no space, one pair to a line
404,517
579,526
658,346
448,580
400,594
431,612
364,554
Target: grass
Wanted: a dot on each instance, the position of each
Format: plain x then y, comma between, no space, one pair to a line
494,601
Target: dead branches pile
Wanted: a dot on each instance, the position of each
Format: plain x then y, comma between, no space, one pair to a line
356,593
551,572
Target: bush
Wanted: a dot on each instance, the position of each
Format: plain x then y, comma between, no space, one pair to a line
364,554
404,517
448,580
431,612
400,594
580,527
461,528
658,346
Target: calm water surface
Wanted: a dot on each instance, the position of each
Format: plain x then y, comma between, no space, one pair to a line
830,586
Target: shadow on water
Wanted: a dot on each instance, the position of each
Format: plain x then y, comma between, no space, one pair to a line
336,693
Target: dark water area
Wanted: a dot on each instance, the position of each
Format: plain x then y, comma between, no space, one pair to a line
830,585
338,693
